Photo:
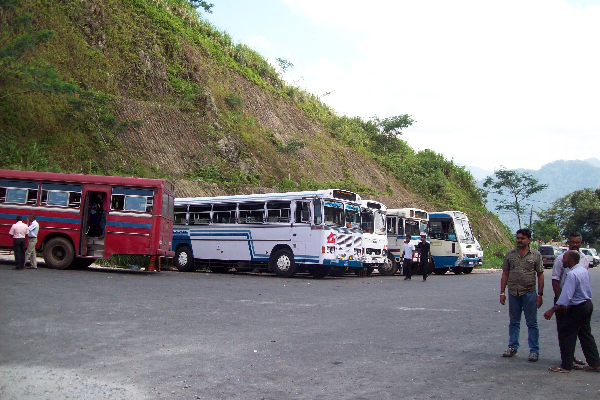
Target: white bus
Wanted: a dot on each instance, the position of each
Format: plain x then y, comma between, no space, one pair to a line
452,242
374,238
401,223
283,233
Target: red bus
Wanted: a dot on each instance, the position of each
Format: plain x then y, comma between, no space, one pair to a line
86,217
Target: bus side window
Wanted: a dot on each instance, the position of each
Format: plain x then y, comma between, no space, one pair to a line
21,192
180,215
199,215
391,225
117,202
278,211
302,211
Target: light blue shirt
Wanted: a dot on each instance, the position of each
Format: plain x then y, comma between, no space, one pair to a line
32,229
576,289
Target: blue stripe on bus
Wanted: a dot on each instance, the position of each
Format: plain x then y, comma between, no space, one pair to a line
128,225
73,220
183,236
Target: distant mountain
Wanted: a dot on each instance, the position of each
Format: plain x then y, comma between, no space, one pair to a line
562,177
593,161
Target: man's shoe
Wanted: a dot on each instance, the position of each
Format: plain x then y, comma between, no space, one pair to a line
407,279
533,357
510,352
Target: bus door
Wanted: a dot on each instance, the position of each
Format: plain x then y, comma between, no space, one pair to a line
93,220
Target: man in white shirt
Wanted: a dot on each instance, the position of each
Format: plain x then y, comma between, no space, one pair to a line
32,233
407,258
18,231
559,273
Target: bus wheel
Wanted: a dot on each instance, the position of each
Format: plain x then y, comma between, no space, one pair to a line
282,263
82,263
440,271
390,267
59,253
457,270
467,270
184,259
319,271
337,271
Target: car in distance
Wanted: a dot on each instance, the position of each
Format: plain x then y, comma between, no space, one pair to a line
592,256
549,254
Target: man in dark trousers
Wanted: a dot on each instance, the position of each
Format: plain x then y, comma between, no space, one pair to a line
407,258
521,266
575,303
424,255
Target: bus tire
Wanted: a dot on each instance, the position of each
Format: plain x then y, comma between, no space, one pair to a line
467,270
440,271
184,259
59,253
390,267
456,270
282,263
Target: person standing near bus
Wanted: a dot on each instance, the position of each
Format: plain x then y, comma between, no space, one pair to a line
407,258
559,273
424,255
18,231
575,305
520,268
32,233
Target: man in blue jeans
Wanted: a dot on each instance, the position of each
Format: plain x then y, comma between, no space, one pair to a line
520,269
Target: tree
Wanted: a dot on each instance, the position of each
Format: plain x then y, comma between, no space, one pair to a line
202,4
516,186
390,128
284,64
545,229
577,212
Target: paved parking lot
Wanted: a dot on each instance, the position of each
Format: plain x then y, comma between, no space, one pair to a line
171,335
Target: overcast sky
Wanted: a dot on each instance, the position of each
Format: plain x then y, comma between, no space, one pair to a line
512,83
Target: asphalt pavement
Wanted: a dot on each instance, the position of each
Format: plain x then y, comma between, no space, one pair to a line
110,334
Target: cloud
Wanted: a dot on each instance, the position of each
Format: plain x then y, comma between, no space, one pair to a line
482,78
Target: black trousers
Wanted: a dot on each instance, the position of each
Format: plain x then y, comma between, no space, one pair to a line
424,264
407,266
19,248
575,323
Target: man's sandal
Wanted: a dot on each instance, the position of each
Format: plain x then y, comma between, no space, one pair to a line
578,367
591,369
580,362
560,369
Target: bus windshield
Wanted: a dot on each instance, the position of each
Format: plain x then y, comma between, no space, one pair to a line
379,219
412,228
368,221
334,213
463,231
352,216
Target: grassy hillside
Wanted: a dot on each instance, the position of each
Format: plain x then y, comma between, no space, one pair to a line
147,88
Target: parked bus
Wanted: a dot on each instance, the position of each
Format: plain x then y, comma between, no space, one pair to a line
374,239
401,223
282,233
86,217
452,242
